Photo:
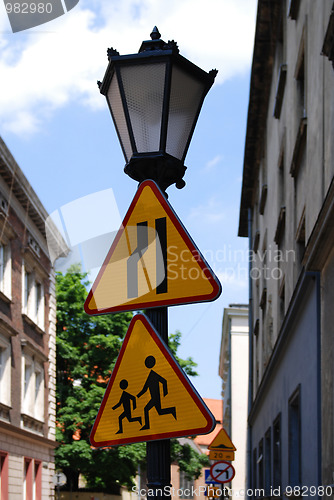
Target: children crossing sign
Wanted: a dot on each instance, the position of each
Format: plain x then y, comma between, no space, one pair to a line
152,262
148,396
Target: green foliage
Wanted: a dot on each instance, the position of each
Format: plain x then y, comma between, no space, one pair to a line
188,365
87,349
188,459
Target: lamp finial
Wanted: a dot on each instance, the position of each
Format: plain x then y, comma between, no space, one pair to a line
155,35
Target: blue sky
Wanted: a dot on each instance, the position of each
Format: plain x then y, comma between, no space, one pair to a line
58,128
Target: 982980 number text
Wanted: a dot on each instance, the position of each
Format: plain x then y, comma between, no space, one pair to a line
28,8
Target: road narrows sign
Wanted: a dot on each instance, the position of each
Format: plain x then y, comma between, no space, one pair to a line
148,396
222,472
152,262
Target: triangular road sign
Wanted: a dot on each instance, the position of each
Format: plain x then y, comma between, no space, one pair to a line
148,396
222,442
152,262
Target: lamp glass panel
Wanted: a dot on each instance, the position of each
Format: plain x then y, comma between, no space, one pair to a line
115,103
185,98
144,90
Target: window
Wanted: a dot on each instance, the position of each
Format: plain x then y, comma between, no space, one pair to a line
5,270
281,294
33,388
277,452
33,297
300,78
293,9
301,110
280,227
300,238
3,475
295,439
28,479
37,486
186,486
254,471
5,371
280,61
328,45
39,391
260,464
267,456
28,400
32,485
281,178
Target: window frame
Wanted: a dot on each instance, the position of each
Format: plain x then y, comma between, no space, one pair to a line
267,462
33,396
277,452
260,463
4,469
5,371
5,269
33,302
185,484
294,439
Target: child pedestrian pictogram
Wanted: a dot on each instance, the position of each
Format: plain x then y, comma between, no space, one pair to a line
126,399
148,397
152,385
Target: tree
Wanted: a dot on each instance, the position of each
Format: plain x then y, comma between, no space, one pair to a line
188,365
87,349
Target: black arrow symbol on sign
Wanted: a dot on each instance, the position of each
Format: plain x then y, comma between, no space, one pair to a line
222,471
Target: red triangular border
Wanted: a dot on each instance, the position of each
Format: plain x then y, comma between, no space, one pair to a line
188,241
210,419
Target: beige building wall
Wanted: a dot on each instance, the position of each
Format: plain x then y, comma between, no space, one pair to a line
233,369
27,340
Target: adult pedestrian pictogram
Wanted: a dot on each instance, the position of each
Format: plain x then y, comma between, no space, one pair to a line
152,385
222,472
126,400
148,396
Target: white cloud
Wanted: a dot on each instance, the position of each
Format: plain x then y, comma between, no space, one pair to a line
210,213
210,165
235,279
58,63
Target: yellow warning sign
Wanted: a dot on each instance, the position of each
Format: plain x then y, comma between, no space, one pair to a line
213,492
152,262
148,396
222,442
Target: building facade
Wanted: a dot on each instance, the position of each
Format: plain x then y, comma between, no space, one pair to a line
27,340
184,488
233,370
287,213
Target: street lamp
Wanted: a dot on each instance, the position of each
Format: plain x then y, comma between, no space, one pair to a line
155,98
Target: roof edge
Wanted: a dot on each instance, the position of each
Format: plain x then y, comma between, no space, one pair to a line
267,22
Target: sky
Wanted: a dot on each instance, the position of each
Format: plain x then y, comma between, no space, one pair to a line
58,128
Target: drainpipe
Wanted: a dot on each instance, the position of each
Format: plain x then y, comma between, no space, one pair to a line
230,373
250,368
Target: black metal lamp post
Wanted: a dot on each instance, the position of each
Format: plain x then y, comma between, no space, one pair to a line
155,98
